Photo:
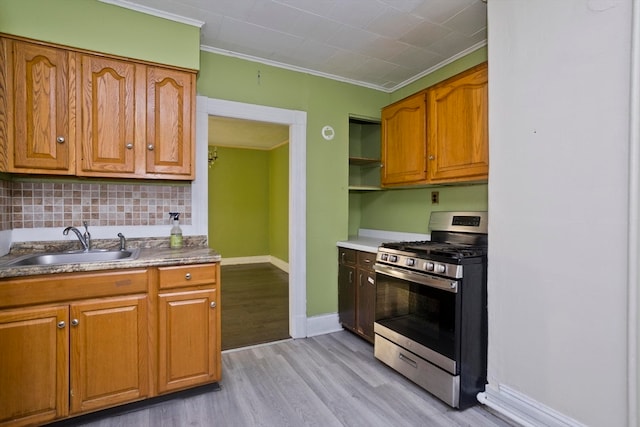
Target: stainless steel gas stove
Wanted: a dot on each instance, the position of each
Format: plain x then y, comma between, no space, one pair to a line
431,307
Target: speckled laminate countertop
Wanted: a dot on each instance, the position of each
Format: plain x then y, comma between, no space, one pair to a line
153,253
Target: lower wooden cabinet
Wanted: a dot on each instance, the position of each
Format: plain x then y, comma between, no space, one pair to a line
357,291
34,365
80,342
187,347
109,352
188,326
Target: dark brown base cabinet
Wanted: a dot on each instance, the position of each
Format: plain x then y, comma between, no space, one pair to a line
356,291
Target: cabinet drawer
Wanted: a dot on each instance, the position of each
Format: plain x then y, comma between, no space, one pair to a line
346,256
187,275
52,288
366,260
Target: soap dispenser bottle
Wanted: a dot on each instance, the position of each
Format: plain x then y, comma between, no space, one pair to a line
175,240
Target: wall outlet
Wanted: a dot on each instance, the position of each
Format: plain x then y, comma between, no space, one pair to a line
435,197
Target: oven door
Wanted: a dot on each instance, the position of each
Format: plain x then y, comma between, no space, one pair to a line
421,313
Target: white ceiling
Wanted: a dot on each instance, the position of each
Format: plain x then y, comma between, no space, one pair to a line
228,132
382,44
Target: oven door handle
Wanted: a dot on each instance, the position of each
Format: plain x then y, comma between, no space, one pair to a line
423,279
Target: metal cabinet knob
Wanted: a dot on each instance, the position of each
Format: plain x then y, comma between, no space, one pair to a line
431,157
60,140
61,324
75,322
187,276
212,304
150,147
129,146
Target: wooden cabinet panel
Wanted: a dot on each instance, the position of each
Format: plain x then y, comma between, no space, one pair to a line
187,275
458,127
366,301
170,122
356,291
439,135
347,256
40,88
189,339
34,365
109,113
71,112
347,296
109,358
403,141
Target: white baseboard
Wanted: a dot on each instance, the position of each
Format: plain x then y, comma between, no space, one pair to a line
277,262
523,410
323,324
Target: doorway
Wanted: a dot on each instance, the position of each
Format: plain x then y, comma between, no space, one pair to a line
297,123
248,226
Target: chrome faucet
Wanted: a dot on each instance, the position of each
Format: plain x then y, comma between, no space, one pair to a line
123,242
85,240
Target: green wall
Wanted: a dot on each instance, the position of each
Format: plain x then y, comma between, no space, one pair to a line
239,203
327,102
409,209
249,202
102,27
279,202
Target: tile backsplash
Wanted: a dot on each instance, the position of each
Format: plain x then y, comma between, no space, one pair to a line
5,205
55,204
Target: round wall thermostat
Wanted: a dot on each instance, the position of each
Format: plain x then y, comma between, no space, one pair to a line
328,133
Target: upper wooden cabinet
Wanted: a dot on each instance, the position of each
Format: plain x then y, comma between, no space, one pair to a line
110,128
170,121
457,124
78,113
438,135
404,141
37,92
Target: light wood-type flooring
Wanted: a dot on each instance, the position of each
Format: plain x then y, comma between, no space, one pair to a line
328,380
255,305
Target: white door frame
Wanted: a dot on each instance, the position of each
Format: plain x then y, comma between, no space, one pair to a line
297,122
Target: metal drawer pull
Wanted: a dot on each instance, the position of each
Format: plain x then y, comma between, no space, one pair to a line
75,322
129,146
187,276
407,360
61,324
60,140
213,304
150,147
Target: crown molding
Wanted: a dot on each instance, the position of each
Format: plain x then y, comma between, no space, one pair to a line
155,12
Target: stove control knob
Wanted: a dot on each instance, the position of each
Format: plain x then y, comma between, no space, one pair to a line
439,268
411,262
393,258
429,266
384,257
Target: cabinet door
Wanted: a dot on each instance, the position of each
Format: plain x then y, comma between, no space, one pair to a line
170,120
404,141
42,100
34,362
347,296
110,117
366,303
189,339
109,352
458,127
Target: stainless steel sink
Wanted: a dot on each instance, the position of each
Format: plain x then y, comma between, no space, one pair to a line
74,257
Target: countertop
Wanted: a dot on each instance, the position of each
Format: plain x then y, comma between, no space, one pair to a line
149,257
368,240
